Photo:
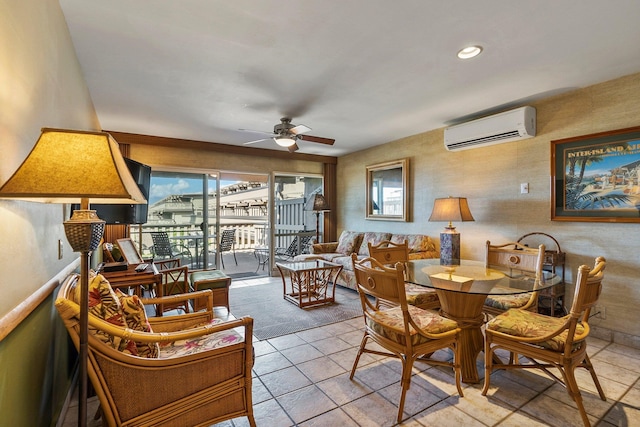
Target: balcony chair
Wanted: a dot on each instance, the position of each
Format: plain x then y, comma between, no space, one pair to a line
298,245
514,259
163,248
389,253
149,371
228,243
549,342
403,331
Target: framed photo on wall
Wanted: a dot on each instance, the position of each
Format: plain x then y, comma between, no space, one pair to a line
596,177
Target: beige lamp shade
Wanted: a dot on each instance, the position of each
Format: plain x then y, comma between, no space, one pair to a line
320,204
68,166
451,209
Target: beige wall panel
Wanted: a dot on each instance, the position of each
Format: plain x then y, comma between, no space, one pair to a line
490,178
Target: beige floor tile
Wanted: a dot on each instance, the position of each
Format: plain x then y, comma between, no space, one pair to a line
372,410
284,381
343,390
270,363
301,353
320,369
336,417
331,345
306,403
554,412
444,414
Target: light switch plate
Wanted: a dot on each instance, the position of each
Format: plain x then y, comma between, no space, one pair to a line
524,188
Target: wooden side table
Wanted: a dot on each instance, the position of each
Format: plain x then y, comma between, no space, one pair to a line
215,280
130,278
310,282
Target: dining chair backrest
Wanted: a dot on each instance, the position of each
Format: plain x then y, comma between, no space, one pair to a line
515,257
380,282
389,253
587,290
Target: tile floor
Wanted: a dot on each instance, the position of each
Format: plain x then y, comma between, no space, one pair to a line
302,379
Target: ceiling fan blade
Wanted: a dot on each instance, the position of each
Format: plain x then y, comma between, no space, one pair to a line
293,148
256,140
299,129
317,139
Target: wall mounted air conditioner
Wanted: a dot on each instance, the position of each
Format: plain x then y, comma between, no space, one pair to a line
508,126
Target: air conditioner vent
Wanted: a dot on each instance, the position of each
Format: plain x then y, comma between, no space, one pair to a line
508,126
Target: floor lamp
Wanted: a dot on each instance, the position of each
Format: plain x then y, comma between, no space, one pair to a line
450,209
319,205
67,166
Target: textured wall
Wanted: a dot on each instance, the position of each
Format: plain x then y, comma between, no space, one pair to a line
490,178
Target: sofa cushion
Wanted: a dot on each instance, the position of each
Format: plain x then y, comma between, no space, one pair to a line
348,242
375,238
205,342
416,242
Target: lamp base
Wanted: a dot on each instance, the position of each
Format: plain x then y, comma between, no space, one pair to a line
450,247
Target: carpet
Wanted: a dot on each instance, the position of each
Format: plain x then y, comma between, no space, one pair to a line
273,316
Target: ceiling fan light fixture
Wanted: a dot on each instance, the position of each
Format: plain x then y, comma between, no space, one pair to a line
469,52
285,141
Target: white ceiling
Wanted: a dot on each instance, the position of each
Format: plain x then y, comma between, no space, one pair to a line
363,72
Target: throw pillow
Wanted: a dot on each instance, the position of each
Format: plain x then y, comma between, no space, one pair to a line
348,242
104,304
416,242
375,238
136,319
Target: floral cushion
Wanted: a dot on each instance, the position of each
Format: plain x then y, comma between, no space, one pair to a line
375,238
136,319
348,242
390,324
104,304
416,242
505,302
419,295
205,342
523,323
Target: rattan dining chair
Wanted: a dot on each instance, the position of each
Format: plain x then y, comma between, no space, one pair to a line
515,260
403,331
388,253
537,341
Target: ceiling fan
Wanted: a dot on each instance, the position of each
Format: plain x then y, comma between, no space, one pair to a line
286,134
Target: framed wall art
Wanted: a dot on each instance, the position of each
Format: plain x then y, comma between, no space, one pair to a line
387,192
596,177
129,251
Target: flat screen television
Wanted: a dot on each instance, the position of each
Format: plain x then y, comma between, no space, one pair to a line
127,214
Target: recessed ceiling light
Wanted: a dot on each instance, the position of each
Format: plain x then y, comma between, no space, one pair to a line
469,52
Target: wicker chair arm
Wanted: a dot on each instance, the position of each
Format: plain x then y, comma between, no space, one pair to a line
69,310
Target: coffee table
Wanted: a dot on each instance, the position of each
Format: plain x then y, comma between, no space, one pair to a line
310,282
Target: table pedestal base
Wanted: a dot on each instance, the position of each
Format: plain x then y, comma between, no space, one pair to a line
466,309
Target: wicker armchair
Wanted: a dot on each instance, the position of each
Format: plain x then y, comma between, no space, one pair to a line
170,389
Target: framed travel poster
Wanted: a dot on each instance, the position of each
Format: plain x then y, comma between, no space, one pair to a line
596,177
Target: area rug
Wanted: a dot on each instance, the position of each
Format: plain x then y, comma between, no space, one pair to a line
273,316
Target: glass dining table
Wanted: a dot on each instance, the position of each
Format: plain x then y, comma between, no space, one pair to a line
463,289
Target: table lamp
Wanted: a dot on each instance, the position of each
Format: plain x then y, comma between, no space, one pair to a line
68,166
450,209
319,205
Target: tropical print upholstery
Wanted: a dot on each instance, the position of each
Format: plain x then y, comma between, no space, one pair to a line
390,324
419,295
348,242
104,304
505,302
523,323
136,319
375,238
206,342
416,242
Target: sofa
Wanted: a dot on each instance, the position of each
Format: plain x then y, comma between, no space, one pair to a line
420,247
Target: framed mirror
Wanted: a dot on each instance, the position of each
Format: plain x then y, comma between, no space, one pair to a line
387,191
